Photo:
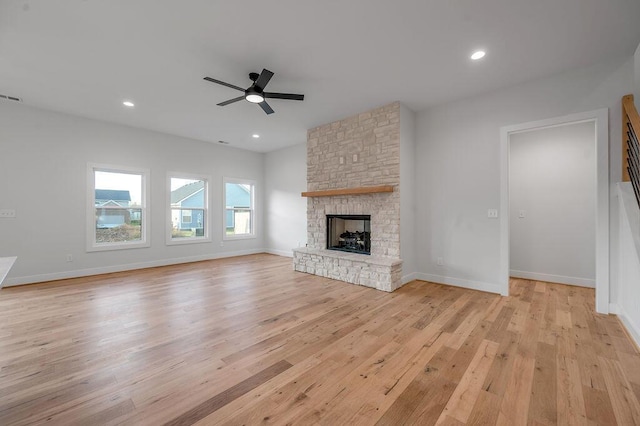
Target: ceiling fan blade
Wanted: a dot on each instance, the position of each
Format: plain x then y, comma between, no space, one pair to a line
230,101
265,107
264,78
290,96
213,80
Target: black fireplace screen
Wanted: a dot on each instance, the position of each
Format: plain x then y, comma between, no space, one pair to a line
350,233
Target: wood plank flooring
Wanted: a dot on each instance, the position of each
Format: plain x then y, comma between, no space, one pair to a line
248,341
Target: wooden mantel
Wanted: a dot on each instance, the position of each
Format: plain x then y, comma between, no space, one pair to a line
349,191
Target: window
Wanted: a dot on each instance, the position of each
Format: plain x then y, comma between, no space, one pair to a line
188,209
117,210
186,216
239,213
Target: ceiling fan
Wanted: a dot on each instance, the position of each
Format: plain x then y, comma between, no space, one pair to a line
255,93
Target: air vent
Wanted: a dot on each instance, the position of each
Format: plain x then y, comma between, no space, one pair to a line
10,98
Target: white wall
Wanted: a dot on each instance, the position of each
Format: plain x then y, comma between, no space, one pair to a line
552,195
286,209
627,306
458,166
43,169
407,191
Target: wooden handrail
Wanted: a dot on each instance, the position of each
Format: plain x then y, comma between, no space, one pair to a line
629,116
631,111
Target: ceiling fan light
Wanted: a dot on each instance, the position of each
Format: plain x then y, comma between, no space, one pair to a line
254,95
255,98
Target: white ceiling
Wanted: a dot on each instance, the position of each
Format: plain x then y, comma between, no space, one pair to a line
86,57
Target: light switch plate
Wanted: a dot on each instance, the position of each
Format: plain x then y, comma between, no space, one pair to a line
521,214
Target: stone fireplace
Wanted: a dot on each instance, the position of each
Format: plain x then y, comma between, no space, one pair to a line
353,169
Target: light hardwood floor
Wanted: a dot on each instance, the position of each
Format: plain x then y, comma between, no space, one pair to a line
248,341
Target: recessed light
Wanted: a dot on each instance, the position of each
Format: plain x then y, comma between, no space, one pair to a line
256,136
478,55
128,104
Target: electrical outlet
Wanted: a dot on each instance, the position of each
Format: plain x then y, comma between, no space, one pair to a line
221,243
69,258
440,261
355,158
492,213
341,160
7,213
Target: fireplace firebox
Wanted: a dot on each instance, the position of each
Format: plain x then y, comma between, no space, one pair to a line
350,233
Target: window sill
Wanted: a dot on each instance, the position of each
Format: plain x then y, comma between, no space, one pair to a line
118,246
183,241
238,237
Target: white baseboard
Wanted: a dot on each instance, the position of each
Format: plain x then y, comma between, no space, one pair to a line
559,279
632,328
459,282
9,282
614,309
409,277
285,253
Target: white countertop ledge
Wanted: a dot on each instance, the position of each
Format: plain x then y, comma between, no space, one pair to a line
5,264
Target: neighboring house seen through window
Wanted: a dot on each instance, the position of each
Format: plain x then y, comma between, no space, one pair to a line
117,216
188,209
239,214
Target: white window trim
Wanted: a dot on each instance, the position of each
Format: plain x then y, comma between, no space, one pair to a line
252,235
145,241
207,207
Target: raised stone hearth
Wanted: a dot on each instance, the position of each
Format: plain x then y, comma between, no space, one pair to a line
378,272
357,152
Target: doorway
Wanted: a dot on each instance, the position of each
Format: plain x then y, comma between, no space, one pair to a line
524,135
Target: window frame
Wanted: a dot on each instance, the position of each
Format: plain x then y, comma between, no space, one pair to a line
145,240
170,241
252,209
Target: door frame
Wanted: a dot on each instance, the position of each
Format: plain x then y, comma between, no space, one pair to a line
600,118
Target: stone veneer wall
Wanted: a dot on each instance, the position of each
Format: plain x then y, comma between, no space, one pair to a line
374,137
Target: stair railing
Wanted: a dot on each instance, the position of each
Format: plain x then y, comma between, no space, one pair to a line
630,146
